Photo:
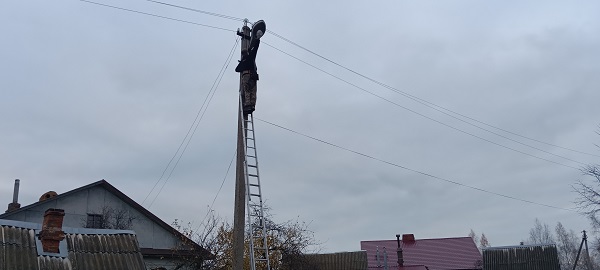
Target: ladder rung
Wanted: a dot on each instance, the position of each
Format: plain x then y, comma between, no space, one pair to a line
251,156
254,185
253,175
254,194
252,166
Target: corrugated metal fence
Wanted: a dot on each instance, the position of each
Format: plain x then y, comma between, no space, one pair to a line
530,257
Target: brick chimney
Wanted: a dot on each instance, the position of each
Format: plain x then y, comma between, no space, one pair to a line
52,233
408,238
14,205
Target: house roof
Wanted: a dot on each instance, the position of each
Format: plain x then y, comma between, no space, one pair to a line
92,249
103,183
435,254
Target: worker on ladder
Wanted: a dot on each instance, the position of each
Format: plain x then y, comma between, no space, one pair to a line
247,67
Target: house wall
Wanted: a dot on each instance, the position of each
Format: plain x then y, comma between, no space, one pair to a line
92,201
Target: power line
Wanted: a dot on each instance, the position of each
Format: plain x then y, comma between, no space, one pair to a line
422,101
199,11
412,170
210,208
192,130
417,99
196,121
158,16
214,90
420,114
434,106
425,102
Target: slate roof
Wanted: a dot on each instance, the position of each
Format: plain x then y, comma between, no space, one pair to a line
435,254
91,249
103,183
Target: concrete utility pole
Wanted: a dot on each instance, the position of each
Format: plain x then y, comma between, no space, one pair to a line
248,78
588,262
239,211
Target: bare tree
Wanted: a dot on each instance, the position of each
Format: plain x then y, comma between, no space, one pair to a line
212,235
483,242
474,236
589,194
541,234
287,242
567,245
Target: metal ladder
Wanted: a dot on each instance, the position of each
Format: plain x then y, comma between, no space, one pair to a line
257,231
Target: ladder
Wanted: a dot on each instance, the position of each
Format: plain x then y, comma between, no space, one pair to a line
257,231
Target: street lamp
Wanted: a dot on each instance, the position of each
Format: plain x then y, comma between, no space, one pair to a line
247,66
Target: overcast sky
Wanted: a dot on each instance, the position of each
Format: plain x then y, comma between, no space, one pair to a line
91,92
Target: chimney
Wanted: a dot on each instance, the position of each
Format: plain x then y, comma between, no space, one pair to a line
408,238
52,233
399,252
14,205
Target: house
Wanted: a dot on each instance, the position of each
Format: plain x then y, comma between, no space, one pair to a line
523,257
100,205
417,254
35,246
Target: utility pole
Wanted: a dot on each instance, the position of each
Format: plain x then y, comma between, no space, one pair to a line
239,211
247,102
588,262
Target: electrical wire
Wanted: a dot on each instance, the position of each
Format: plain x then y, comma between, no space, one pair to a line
424,102
192,130
199,11
413,170
437,121
158,16
427,103
196,120
420,114
214,90
417,99
210,208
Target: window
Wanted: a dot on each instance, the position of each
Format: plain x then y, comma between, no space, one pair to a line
95,221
